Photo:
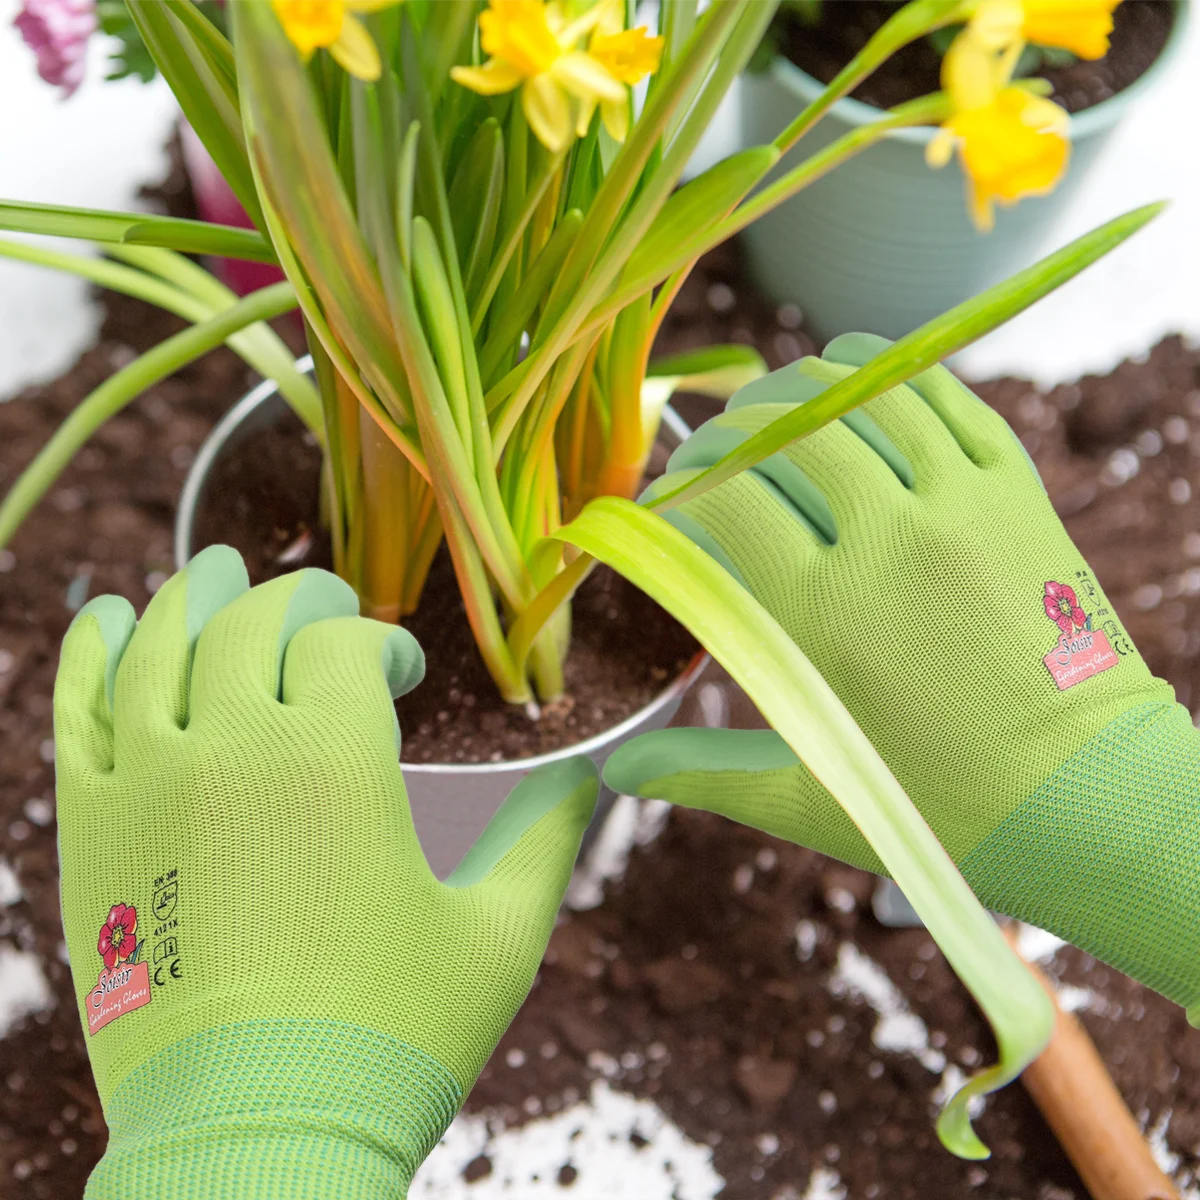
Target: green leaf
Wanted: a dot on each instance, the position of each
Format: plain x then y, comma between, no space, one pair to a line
512,319
474,198
130,57
448,33
801,706
921,349
301,181
211,40
180,286
437,311
698,204
710,360
205,91
139,229
406,174
905,25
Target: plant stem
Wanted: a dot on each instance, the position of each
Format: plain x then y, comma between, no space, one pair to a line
911,22
924,111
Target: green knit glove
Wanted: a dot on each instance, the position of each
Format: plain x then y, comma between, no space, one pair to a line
280,1000
911,553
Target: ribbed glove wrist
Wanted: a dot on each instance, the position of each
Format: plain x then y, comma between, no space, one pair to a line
286,1110
1104,851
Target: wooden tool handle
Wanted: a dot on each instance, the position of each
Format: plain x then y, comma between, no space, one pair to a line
1081,1104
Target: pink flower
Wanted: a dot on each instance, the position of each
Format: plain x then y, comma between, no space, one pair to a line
117,941
1062,607
57,32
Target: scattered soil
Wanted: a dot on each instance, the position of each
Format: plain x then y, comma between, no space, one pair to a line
707,981
690,983
624,648
822,49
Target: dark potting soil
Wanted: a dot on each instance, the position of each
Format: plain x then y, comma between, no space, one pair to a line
624,649
707,978
822,49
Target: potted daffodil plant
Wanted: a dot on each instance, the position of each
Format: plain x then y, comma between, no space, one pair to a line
478,214
887,242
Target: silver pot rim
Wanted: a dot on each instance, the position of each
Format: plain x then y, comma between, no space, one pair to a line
185,519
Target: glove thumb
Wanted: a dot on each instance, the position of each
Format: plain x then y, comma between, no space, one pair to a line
528,849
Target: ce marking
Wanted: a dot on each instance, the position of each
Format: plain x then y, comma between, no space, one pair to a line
173,969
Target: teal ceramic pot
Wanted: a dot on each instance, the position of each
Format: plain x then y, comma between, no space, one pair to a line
883,243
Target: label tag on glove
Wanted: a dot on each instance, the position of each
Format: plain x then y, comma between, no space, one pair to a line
117,992
124,983
1081,651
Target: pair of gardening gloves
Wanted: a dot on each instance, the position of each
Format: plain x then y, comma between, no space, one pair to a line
282,1001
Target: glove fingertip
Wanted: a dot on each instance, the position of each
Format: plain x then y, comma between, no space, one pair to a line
115,621
214,578
639,761
566,790
403,662
855,349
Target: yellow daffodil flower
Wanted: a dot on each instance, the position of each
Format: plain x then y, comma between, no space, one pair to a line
532,45
1080,26
331,24
628,55
1011,142
1013,147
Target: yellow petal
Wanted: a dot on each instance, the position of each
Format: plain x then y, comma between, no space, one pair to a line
996,24
629,56
369,6
1039,112
492,79
517,32
615,115
971,72
940,148
1081,26
586,110
355,51
1012,148
980,207
583,76
595,17
548,112
310,23
610,17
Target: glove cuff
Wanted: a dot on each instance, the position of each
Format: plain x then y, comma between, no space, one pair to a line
291,1109
1104,852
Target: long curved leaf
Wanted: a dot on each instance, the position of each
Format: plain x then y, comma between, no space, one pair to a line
789,691
919,350
136,229
204,89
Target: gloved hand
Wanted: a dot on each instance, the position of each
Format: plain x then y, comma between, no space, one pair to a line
280,999
912,554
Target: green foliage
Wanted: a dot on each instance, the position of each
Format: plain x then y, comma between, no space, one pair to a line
132,57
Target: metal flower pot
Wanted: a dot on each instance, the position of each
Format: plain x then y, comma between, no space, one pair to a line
883,243
451,802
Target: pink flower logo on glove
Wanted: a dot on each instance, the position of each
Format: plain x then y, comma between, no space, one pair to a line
117,941
1062,607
